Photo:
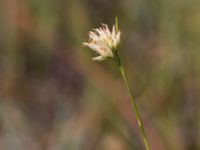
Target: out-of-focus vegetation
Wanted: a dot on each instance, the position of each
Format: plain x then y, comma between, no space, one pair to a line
53,97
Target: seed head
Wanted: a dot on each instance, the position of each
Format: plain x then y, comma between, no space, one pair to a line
103,42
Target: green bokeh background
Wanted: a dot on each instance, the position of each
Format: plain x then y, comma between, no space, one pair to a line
53,97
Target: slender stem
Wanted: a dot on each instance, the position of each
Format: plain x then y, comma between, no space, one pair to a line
133,102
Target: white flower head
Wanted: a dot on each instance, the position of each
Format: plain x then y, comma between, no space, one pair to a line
103,42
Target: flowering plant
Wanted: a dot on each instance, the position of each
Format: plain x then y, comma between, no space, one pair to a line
105,43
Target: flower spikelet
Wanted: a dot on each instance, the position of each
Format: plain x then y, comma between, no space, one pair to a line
103,41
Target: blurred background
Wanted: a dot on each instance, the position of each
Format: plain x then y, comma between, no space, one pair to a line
53,97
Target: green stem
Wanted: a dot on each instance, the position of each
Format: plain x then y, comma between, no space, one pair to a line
133,102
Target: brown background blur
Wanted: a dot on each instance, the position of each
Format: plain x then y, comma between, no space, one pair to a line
53,97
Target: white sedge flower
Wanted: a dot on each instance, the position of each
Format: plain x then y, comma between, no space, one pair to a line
103,42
